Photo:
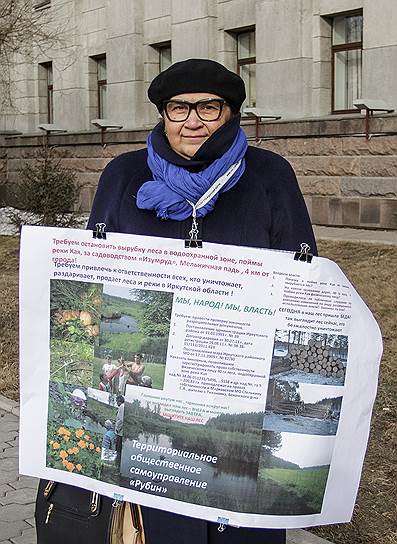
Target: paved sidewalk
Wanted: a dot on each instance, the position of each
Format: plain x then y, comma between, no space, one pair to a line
356,235
17,493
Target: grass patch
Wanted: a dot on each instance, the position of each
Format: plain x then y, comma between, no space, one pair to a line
9,379
156,372
116,306
124,341
71,362
100,412
306,485
372,269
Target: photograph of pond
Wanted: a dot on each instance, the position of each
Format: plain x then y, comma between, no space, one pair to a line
302,408
75,310
309,357
221,454
293,473
133,339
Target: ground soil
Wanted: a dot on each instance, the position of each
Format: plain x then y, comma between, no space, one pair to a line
9,248
373,271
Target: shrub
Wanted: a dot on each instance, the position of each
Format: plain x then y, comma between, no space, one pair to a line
46,194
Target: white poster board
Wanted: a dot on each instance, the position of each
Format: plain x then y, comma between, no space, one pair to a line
224,383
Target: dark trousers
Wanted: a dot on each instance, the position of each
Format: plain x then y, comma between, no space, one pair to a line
119,445
166,528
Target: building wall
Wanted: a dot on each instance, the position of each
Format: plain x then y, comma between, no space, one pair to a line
293,55
346,180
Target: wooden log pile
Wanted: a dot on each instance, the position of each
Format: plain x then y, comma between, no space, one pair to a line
316,359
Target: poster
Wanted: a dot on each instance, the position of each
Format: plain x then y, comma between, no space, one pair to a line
225,383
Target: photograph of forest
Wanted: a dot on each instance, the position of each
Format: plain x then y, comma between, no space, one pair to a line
309,357
302,408
293,473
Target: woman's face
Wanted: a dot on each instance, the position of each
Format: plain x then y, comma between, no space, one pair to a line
186,137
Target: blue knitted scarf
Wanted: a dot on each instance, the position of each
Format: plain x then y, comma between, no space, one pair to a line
173,186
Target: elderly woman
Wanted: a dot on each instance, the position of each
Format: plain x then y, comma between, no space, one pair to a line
156,191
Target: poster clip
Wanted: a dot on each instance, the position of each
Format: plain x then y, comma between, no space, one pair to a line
117,500
193,241
222,524
304,254
100,231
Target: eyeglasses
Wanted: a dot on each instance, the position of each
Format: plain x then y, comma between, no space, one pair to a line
209,109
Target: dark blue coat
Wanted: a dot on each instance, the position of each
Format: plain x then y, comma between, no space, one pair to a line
264,209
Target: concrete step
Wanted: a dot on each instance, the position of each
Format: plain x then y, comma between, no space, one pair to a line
300,536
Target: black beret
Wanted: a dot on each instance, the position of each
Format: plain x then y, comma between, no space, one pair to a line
197,76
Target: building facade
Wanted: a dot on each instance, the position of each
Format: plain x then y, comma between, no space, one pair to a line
299,58
305,61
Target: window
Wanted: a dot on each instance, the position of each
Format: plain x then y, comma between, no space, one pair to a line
164,56
347,44
46,78
101,82
246,67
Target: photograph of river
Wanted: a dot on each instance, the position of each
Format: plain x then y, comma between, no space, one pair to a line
220,456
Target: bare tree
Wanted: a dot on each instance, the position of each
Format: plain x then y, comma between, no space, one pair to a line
25,34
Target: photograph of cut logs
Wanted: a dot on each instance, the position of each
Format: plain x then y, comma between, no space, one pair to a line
309,357
75,312
302,408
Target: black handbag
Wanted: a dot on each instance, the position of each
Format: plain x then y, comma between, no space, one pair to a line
67,514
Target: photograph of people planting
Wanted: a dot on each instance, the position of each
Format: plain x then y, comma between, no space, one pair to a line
309,357
133,339
70,446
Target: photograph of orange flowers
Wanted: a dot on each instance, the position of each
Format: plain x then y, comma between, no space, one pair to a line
69,445
73,450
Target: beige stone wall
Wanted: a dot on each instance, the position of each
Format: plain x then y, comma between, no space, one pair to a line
3,165
346,179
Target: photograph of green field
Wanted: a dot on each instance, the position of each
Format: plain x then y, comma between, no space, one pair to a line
75,310
293,473
233,440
